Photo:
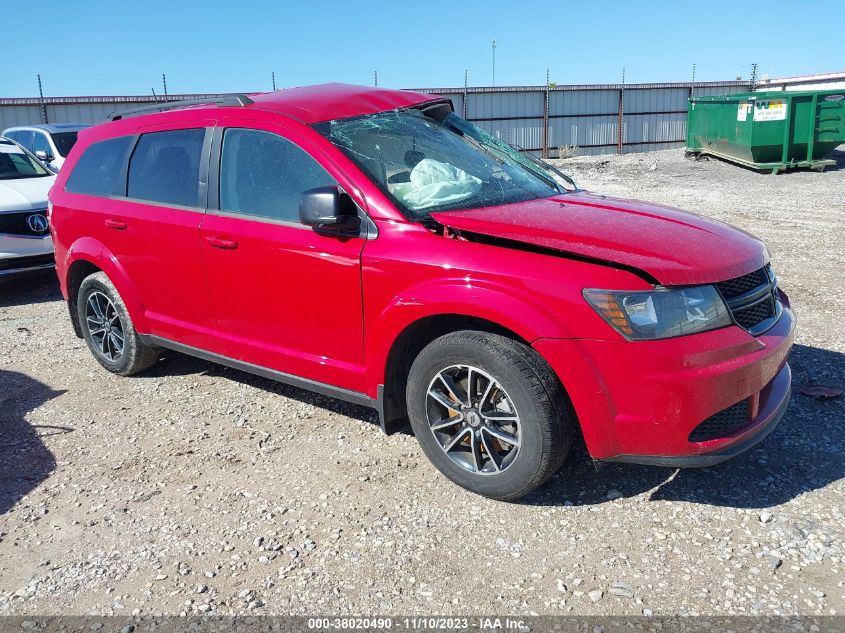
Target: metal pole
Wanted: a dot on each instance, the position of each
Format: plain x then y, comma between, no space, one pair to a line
621,123
494,62
691,96
375,78
43,107
274,80
546,118
164,83
466,93
692,83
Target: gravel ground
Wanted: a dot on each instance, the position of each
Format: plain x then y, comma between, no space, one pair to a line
198,489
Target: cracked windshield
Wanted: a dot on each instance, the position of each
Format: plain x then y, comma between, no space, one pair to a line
433,160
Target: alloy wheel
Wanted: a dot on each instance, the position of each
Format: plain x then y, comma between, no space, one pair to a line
104,326
473,419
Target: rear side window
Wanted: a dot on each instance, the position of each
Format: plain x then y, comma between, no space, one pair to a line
165,167
97,170
264,175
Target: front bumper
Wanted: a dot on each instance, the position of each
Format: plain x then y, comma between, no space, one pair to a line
639,402
758,430
20,253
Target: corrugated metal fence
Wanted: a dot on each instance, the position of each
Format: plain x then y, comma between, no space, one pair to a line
30,110
594,119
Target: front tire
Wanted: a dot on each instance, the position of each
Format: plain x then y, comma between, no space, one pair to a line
108,330
489,413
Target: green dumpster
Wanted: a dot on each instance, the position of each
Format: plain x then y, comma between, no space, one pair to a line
768,130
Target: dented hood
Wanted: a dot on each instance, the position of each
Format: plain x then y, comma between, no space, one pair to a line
675,247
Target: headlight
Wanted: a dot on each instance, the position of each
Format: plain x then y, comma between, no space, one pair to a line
655,314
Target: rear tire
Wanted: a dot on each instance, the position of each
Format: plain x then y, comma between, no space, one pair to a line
108,330
489,413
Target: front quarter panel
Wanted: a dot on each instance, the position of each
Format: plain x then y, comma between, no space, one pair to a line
410,273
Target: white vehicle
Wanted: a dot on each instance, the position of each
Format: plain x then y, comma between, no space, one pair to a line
50,143
25,242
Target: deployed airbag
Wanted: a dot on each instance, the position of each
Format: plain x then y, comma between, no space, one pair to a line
433,183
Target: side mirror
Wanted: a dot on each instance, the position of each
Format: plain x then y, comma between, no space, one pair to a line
329,210
43,156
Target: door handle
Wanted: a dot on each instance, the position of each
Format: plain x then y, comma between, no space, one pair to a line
118,225
217,242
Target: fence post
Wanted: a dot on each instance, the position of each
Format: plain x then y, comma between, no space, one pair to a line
621,122
466,92
546,118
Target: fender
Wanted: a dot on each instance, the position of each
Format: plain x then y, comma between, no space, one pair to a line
504,306
93,251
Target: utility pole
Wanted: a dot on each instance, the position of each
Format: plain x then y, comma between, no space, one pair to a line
274,81
753,83
375,78
43,107
692,83
494,62
164,83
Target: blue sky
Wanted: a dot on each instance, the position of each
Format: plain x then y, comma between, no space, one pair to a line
106,47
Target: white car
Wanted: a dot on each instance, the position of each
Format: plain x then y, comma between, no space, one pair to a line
50,143
25,242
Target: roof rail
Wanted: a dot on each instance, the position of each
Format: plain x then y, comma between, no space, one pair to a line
223,100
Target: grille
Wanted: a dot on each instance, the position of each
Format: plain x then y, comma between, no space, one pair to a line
18,263
740,285
15,223
723,424
749,317
752,299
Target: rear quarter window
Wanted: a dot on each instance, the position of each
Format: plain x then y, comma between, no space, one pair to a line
97,170
165,167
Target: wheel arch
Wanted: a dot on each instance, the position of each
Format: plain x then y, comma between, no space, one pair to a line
76,274
422,312
409,342
85,257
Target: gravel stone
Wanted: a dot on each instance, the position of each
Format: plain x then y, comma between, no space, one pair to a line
116,481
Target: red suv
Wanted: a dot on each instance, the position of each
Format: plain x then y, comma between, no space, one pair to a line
373,246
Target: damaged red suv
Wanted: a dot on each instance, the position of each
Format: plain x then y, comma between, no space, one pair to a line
373,246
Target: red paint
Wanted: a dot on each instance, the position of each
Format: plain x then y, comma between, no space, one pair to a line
674,246
326,102
330,309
